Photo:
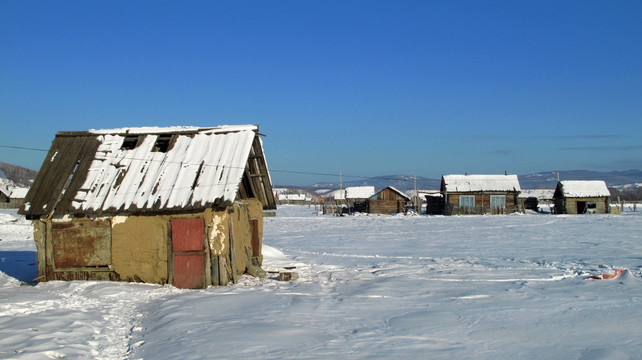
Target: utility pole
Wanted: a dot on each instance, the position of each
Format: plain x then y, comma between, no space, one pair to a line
341,194
417,207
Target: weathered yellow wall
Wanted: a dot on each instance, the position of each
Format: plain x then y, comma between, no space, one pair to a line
140,244
242,237
255,211
139,248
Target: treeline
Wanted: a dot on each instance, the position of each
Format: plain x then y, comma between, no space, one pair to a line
626,194
20,176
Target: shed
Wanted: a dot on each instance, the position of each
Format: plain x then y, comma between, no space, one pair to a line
177,205
5,194
582,197
531,199
357,196
18,195
387,201
480,194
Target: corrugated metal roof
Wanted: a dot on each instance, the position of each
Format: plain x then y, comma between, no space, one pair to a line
152,169
479,183
584,188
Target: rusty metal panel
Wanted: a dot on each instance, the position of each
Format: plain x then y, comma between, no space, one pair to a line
189,270
81,244
188,234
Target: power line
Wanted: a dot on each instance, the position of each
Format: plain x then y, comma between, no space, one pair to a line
22,148
298,172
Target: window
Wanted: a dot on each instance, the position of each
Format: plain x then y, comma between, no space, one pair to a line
467,201
162,143
130,142
498,201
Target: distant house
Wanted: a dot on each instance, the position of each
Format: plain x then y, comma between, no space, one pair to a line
387,201
5,194
356,197
294,199
531,199
480,194
18,195
178,205
582,197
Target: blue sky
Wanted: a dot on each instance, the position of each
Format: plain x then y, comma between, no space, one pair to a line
363,87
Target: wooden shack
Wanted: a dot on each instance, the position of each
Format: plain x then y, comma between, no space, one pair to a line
387,201
18,195
582,197
178,205
480,194
357,196
5,194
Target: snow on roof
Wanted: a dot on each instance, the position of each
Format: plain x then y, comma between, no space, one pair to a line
200,168
294,197
359,192
175,129
339,194
475,183
401,193
541,194
583,188
19,193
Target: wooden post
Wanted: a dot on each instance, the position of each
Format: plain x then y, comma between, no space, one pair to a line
214,269
222,270
41,240
49,263
417,206
232,252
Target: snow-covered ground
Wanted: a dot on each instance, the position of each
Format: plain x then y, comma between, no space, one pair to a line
483,287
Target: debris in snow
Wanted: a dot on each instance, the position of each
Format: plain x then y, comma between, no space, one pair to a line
616,274
288,275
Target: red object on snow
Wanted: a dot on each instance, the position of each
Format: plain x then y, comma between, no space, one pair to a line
607,276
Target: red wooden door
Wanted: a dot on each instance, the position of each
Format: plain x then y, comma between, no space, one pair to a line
256,244
188,253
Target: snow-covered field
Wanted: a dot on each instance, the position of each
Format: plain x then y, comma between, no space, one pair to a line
482,287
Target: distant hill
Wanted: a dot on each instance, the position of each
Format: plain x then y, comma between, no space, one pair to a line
20,176
546,179
401,182
549,179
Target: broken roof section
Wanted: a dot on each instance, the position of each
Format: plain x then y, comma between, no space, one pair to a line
582,188
139,170
479,183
